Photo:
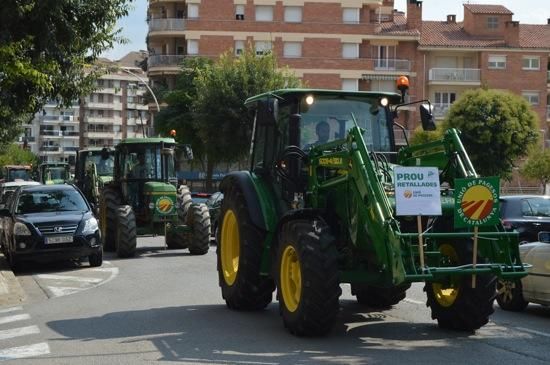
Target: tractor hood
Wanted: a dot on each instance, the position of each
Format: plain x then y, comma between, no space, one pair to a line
155,187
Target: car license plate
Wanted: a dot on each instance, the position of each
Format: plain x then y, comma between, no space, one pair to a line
59,239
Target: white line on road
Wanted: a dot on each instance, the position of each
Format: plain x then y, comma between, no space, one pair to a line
59,291
104,269
17,332
24,351
68,277
18,317
534,332
412,301
12,309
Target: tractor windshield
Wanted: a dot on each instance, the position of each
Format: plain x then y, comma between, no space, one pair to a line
56,173
19,175
103,165
145,162
328,118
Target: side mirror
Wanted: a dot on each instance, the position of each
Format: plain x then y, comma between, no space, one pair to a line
544,236
427,118
294,129
184,152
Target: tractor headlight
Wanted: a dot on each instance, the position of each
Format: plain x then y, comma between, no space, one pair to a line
21,229
90,226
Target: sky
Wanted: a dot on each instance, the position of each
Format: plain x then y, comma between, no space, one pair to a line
134,26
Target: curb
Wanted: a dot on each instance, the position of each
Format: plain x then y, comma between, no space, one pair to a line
11,292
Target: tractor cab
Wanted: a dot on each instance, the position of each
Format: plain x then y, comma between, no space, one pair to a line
54,173
17,173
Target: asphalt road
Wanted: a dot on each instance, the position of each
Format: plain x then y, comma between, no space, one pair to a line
166,306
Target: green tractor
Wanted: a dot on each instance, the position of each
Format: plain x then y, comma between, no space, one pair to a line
94,168
54,173
11,173
317,209
142,199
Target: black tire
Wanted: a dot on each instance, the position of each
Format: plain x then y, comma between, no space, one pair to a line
379,297
510,295
13,261
199,220
239,256
455,304
176,240
110,201
307,251
184,202
96,259
125,241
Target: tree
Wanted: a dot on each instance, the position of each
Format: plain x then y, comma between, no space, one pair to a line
44,47
537,167
224,125
421,136
12,154
497,128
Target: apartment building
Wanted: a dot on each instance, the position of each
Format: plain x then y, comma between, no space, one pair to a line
361,45
112,112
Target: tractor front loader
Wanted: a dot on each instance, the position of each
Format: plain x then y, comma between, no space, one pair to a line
317,209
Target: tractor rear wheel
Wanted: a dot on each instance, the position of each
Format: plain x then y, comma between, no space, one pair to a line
110,200
454,303
510,295
184,202
239,256
379,297
125,232
198,218
307,281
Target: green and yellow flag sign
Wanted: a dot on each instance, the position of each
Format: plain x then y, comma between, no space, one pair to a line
476,202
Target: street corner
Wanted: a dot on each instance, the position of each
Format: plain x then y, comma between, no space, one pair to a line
11,292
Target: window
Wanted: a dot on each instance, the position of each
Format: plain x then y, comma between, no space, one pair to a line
532,97
262,47
192,46
239,47
292,49
192,11
264,13
492,22
530,63
445,98
293,14
497,62
239,12
350,50
385,56
350,15
350,84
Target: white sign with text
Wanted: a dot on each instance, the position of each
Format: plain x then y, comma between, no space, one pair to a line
417,191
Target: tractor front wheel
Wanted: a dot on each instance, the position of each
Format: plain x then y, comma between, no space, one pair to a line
307,279
455,304
125,232
175,239
239,256
199,219
184,202
110,200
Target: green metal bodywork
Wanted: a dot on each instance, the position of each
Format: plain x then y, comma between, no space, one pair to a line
354,186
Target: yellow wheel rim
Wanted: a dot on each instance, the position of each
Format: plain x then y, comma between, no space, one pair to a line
230,247
446,294
291,278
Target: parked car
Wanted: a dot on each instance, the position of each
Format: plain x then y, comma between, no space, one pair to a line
7,188
49,222
214,204
535,287
526,214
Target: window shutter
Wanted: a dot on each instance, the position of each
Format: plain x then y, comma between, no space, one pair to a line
293,14
264,13
350,15
350,50
292,49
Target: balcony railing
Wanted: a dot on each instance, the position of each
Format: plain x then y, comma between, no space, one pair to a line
391,64
165,60
70,149
28,138
455,74
166,24
49,149
60,133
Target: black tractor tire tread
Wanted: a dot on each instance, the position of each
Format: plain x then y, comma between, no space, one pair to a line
319,304
184,202
111,199
250,291
380,297
517,303
199,220
176,240
126,232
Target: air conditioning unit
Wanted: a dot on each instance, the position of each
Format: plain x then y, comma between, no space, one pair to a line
71,118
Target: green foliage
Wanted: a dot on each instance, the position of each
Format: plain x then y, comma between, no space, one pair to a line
12,154
44,46
537,166
497,128
421,136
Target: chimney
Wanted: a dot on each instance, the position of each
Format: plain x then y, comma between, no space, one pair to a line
511,33
414,14
451,18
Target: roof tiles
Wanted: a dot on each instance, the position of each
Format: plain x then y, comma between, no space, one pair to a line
487,9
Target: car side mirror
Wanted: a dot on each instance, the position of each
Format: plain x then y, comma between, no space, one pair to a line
544,236
427,118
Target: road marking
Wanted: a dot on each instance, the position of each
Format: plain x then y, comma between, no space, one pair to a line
104,269
18,317
24,351
17,332
68,277
534,332
59,291
412,301
12,309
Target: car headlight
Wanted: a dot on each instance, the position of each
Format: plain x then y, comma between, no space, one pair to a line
90,226
21,229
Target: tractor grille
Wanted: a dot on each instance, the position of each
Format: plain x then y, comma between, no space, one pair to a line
61,228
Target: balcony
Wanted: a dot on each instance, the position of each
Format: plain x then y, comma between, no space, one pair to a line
389,64
440,109
30,139
455,75
59,133
70,149
49,149
165,60
166,25
100,133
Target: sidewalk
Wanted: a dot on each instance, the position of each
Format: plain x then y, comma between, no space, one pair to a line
11,292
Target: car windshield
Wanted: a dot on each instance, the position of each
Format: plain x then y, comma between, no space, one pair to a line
538,207
50,201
